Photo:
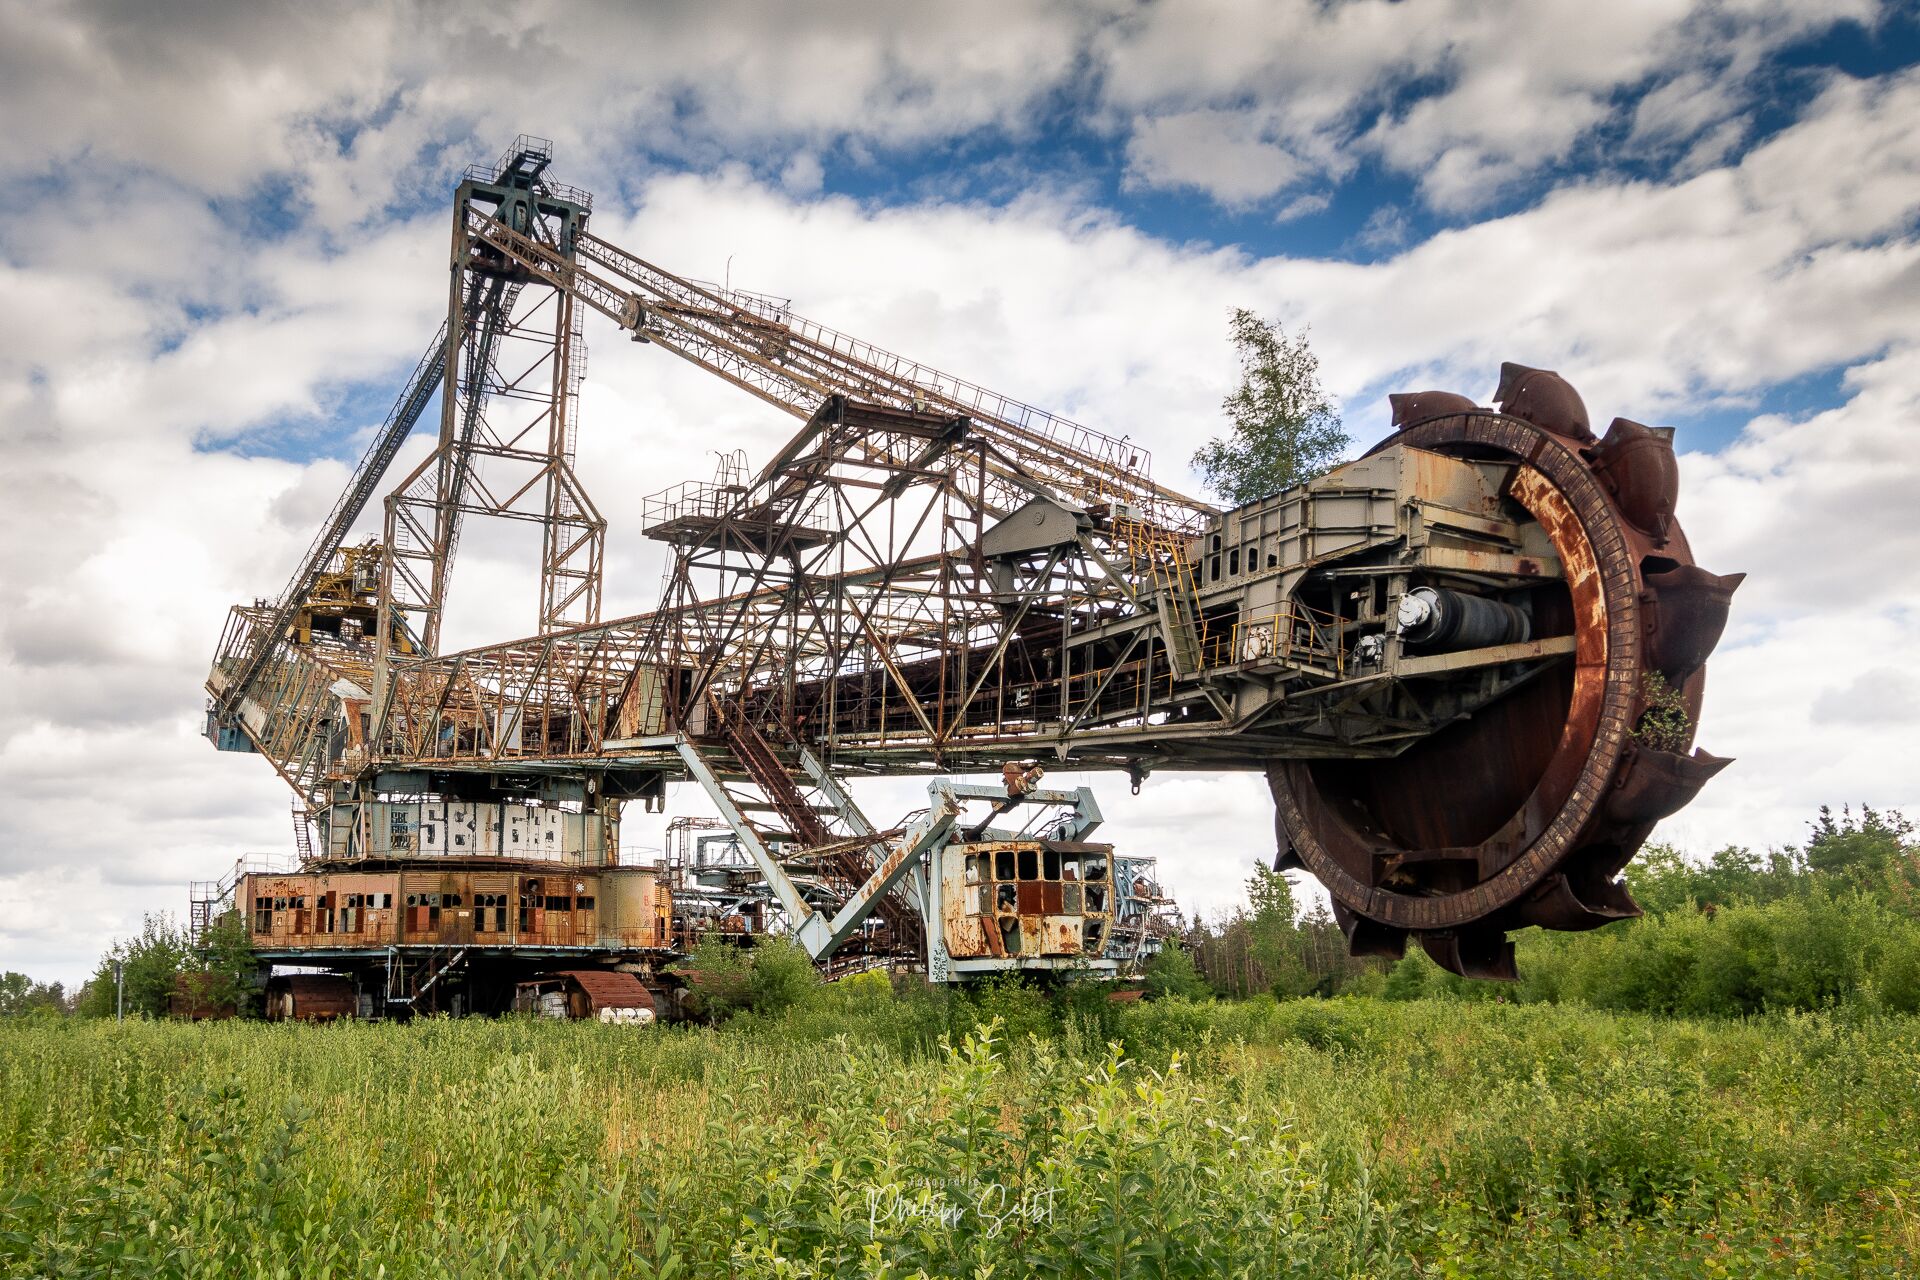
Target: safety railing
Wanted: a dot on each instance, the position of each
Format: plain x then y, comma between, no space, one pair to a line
1293,633
703,500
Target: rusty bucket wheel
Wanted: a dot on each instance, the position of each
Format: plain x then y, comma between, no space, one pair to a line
1525,813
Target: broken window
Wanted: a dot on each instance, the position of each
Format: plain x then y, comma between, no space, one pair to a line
263,915
1029,864
497,903
1003,864
1051,863
584,903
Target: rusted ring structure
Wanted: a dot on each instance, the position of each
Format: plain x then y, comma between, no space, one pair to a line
1525,813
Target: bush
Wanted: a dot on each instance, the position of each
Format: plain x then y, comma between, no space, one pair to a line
718,978
780,976
150,963
1171,972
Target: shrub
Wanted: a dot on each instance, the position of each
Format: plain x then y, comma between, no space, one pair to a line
1171,972
779,976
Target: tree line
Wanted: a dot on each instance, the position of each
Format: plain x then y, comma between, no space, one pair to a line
152,974
1834,921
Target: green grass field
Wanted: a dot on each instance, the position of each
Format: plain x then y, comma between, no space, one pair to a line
1346,1137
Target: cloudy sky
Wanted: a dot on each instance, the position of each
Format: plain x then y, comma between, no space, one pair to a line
226,249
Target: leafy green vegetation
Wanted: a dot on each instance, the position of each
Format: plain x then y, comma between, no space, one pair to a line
149,963
1285,430
724,979
868,1132
1727,1087
220,971
20,994
1834,923
1664,725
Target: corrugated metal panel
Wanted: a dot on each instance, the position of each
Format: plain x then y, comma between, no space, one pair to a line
487,822
610,989
401,828
547,831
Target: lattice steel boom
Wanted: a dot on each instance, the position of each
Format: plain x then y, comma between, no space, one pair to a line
1442,655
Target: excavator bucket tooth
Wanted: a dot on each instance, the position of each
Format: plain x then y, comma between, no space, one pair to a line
1473,953
1658,784
1410,407
1687,613
1637,465
1545,399
1559,904
1368,937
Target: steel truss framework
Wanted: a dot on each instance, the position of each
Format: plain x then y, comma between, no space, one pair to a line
928,577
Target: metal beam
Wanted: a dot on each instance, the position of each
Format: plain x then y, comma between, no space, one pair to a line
806,923
927,835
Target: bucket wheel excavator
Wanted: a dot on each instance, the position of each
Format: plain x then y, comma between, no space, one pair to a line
1526,812
1470,663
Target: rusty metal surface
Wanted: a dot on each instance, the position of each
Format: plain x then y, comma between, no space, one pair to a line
1040,916
610,989
310,997
1439,845
436,906
928,576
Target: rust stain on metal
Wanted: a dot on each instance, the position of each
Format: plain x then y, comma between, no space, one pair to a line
1260,638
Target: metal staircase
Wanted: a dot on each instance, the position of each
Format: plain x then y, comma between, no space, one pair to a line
1164,553
302,831
208,900
765,782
